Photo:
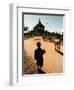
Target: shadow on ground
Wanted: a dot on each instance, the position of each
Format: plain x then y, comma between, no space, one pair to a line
41,71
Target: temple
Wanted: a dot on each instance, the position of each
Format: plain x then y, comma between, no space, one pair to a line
39,28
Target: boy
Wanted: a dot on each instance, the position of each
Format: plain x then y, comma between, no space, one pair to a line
38,55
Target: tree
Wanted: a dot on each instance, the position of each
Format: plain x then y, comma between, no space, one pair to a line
26,28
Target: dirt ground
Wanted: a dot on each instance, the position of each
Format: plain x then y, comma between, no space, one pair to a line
53,61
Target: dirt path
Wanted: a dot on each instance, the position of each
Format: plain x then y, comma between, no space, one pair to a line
53,61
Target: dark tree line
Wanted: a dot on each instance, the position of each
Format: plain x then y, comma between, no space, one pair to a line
45,34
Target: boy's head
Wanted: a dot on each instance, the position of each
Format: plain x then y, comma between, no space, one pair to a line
38,44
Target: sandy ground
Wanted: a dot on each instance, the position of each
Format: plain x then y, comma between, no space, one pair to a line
53,61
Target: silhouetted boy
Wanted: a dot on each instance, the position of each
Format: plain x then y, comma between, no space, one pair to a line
38,55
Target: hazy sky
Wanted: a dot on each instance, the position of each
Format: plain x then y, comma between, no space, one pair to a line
53,23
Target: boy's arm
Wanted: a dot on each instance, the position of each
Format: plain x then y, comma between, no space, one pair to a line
35,56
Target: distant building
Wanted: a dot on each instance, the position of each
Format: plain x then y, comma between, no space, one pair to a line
39,28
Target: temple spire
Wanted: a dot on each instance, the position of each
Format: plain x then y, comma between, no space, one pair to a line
39,21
